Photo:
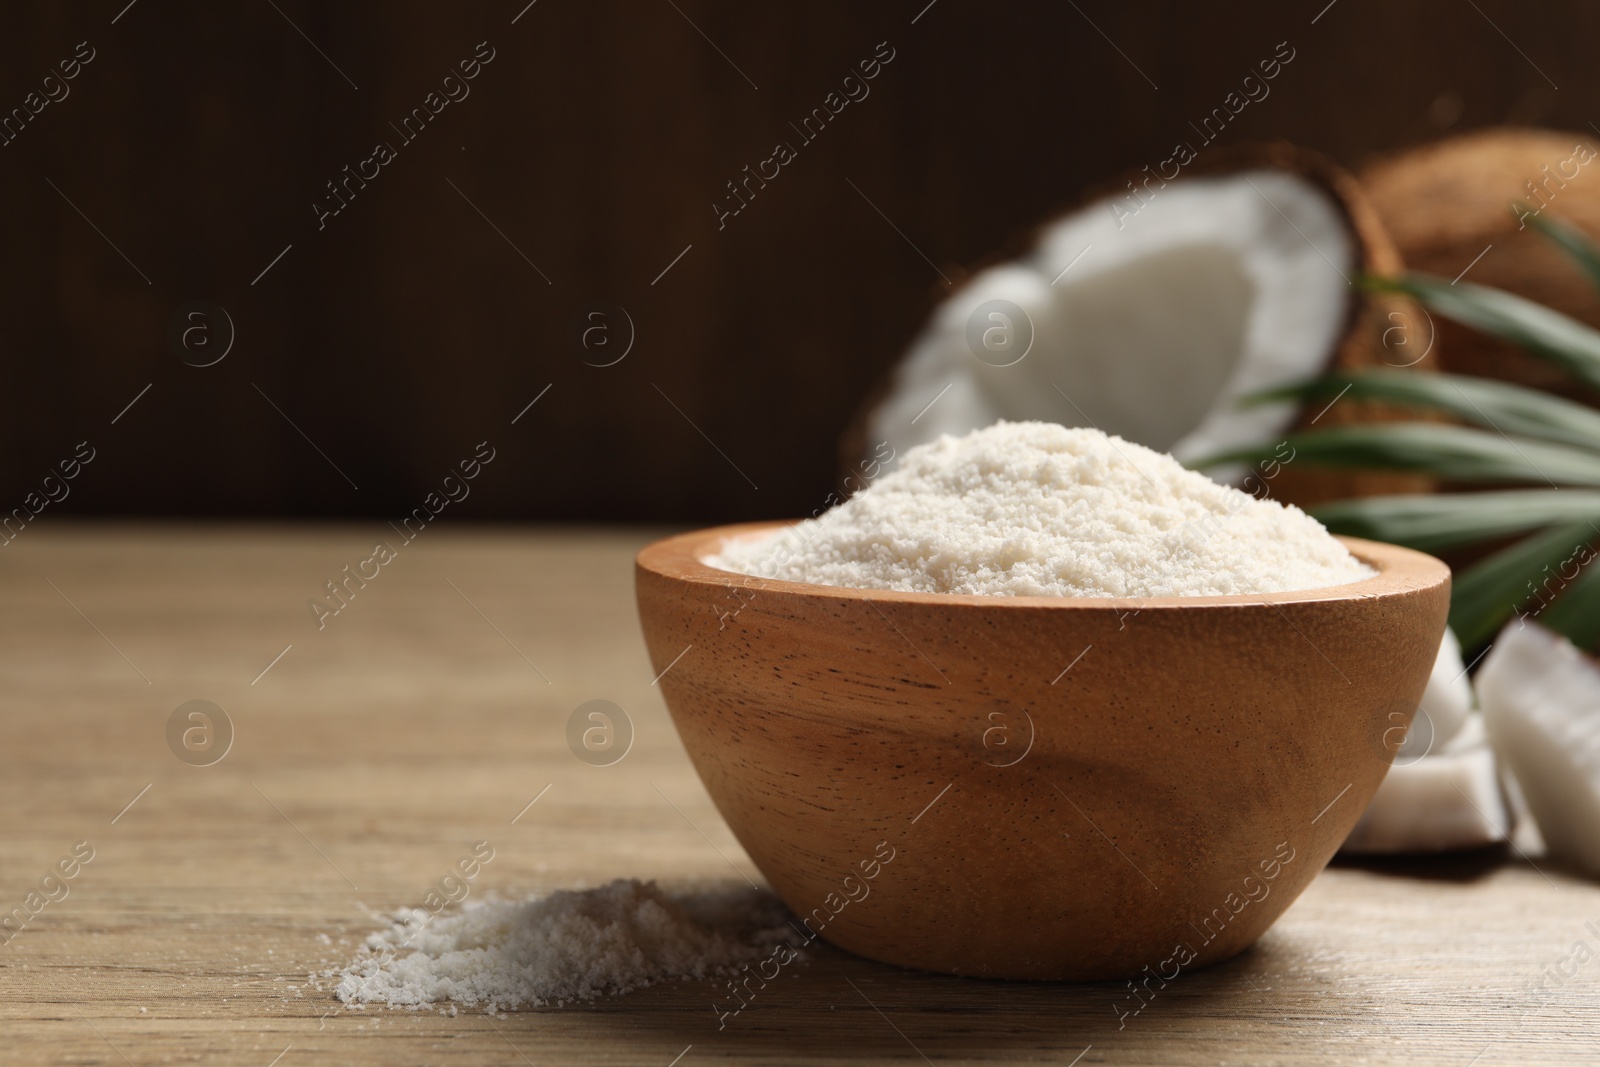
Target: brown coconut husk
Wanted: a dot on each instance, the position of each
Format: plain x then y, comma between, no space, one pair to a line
1445,203
1382,329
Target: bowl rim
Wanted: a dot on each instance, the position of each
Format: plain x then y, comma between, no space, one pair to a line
680,557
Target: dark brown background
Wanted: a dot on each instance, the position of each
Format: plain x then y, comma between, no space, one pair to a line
408,330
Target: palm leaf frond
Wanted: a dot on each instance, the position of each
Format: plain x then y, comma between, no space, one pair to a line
1489,592
1576,612
1573,241
1558,338
1439,523
1500,406
1451,453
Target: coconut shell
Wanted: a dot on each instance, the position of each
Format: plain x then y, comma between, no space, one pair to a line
1444,204
1382,329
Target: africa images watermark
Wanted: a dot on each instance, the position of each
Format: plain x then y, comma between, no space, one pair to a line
1551,585
1544,193
739,592
1214,922
852,89
54,489
453,887
52,888
343,589
1252,89
1203,527
855,888
52,90
342,190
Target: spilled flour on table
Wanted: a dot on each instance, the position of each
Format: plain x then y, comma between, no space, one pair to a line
561,947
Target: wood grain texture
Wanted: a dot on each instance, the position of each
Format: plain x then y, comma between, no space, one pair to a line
1067,788
409,728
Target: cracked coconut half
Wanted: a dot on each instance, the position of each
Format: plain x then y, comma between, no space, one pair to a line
1149,313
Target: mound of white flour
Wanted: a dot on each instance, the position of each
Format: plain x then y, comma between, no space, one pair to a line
1037,509
566,946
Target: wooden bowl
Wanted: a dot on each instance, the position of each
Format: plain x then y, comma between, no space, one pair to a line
1038,787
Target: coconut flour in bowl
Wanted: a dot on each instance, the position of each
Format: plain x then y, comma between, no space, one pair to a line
1038,509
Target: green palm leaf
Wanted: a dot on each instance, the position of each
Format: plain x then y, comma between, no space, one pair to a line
1573,242
1431,523
1511,409
1452,453
1562,340
1489,592
1576,613
1525,437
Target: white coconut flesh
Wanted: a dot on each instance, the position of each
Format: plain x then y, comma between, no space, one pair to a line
1541,703
1150,326
1448,799
1445,704
1443,791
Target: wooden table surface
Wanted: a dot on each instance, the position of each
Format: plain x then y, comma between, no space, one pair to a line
430,711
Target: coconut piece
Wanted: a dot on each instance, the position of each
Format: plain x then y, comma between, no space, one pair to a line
1442,792
1150,312
1445,704
1541,703
1449,799
1448,204
1525,828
